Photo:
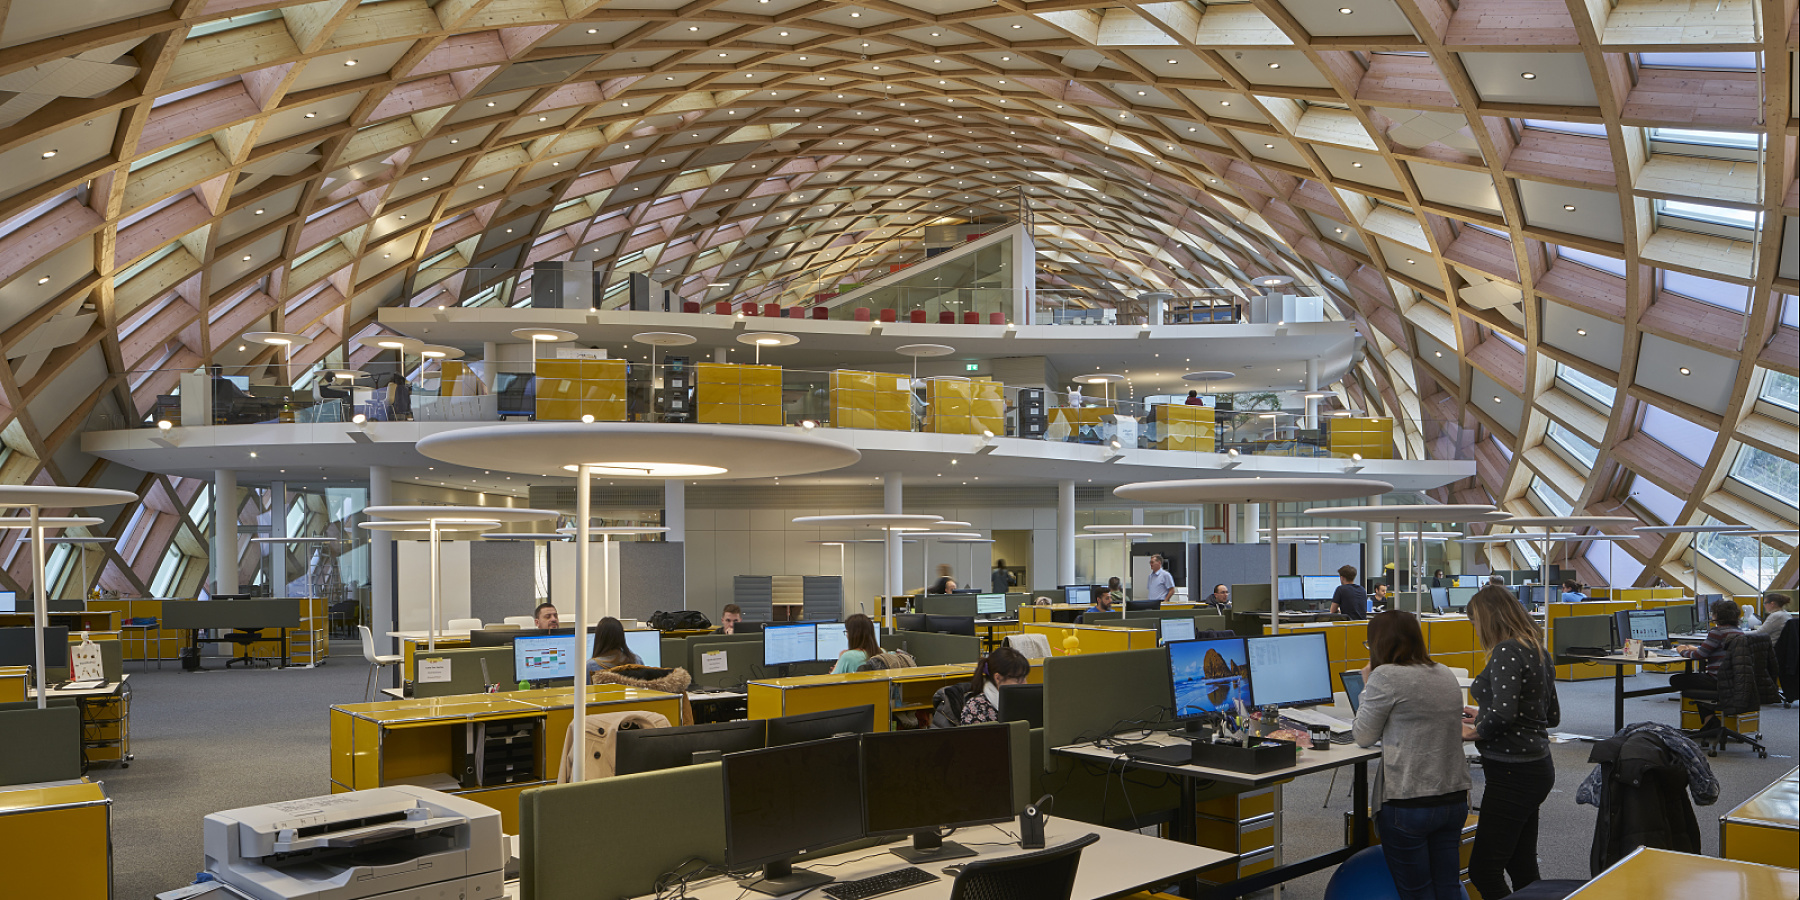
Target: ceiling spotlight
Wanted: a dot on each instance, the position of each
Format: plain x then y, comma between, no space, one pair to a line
1581,331
257,213
1528,76
1569,207
246,257
47,154
1496,398
44,280
1274,65
597,31
349,62
310,115
1345,10
1685,370
1411,262
164,424
1438,353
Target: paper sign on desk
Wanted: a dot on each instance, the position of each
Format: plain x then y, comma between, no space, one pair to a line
84,662
712,662
434,671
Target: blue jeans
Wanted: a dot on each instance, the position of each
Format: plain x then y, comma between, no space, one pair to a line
1421,844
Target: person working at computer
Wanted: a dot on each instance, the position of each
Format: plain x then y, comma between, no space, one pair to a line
1350,600
1379,600
1516,706
859,633
1103,602
1437,579
1000,580
1117,588
729,617
544,617
1725,620
1571,591
1160,586
944,583
1775,616
1001,667
610,649
1221,596
1412,706
1193,399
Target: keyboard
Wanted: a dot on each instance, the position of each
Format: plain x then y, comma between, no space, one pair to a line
884,883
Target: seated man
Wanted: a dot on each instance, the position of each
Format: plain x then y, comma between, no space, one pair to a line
1103,602
544,617
1221,596
729,617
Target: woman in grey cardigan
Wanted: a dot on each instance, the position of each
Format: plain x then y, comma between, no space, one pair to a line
1413,707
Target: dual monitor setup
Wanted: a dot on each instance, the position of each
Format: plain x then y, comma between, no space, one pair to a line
1210,676
1655,627
787,643
552,658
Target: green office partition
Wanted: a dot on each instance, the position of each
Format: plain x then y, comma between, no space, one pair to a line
1212,622
466,671
42,744
1567,632
740,662
1250,598
946,604
1091,695
616,837
932,649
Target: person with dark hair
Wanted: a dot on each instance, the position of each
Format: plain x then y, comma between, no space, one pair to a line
859,631
1726,616
1002,666
544,617
610,649
1571,591
1116,588
1516,706
729,617
944,583
1193,399
1412,706
1775,616
1000,581
1350,600
1221,596
1437,579
1103,602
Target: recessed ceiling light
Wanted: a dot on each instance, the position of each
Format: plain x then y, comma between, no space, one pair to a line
349,62
1345,10
257,213
1410,262
311,115
1274,65
1224,102
455,140
47,154
490,103
246,257
1685,370
44,280
1015,26
424,177
1496,398
1528,76
1438,353
1581,331
597,31
693,28
1268,146
1569,206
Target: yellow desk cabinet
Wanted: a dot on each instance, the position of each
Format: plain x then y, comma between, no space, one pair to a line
1648,874
13,683
423,741
1092,638
1765,828
58,840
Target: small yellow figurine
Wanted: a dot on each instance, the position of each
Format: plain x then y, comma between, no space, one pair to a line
1071,645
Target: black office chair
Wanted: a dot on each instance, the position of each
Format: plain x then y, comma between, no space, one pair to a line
1787,662
244,637
1732,695
1044,875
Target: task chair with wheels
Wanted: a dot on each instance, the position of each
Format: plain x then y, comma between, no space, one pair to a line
375,660
243,638
1787,662
1732,694
1044,875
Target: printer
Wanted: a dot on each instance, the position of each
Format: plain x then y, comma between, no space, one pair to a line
394,843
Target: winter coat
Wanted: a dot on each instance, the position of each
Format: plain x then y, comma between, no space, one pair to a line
1746,675
654,678
1638,788
600,742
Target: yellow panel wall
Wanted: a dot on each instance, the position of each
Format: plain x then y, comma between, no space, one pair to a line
727,394
1183,427
568,389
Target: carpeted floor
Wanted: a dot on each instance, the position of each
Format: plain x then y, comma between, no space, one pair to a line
217,740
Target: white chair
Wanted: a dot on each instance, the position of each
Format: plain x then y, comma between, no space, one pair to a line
521,621
463,625
375,661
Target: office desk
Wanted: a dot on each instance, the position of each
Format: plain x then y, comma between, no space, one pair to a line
1765,828
1648,874
888,690
58,839
87,620
1619,664
105,721
195,616
1121,862
1310,761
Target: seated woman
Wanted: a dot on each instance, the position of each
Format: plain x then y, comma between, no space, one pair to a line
1001,667
610,649
859,630
1725,615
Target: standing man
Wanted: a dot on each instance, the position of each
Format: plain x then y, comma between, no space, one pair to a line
1000,580
729,617
1161,586
544,617
1350,600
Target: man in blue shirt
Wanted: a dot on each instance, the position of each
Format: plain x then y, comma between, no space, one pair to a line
1161,585
1571,592
1350,600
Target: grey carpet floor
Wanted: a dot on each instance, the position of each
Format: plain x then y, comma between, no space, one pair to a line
218,740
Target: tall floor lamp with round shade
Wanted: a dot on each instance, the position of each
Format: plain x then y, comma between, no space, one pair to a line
1415,514
1550,523
542,336
38,498
633,450
400,345
476,518
608,601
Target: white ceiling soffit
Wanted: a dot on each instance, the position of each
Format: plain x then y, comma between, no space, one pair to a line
1709,380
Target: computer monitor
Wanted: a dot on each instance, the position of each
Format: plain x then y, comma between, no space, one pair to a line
820,725
482,637
749,627
1078,594
1208,676
1290,587
1528,595
990,604
969,783
9,601
1174,630
1460,596
1319,588
1143,605
1648,625
834,639
1681,619
1289,669
19,648
950,624
654,749
242,382
1703,609
646,644
788,800
545,657
1440,600
1469,581
909,621
787,644
1022,703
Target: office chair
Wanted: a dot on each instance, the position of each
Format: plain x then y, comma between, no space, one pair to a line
375,660
463,625
244,637
1732,695
1787,662
1044,875
521,621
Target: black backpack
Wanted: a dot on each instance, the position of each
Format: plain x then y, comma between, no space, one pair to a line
679,620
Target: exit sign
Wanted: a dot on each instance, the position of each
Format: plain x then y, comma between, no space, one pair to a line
972,367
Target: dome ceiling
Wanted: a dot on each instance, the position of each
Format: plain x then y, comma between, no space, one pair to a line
1554,220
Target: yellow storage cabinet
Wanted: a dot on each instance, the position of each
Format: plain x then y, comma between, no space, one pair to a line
58,840
1183,427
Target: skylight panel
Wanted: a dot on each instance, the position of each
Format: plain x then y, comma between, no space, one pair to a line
1658,504
1585,386
1737,62
1507,341
1722,294
1733,139
1583,128
1782,390
1567,440
1712,215
1616,567
1691,440
1549,499
1740,556
1767,473
1592,260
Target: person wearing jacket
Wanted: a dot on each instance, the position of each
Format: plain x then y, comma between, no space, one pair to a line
1412,705
1001,667
1516,707
1775,616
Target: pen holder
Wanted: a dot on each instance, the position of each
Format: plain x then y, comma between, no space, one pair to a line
1263,755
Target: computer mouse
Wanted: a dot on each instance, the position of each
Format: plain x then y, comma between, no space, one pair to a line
953,870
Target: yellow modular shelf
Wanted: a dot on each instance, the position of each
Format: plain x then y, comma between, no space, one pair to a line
1371,437
58,839
1765,828
12,683
1183,427
888,690
1092,638
729,394
568,389
869,400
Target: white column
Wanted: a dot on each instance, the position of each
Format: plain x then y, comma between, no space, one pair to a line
1065,531
490,365
675,509
719,355
891,486
225,535
1312,386
1234,521
1252,523
278,574
584,483
381,564
1372,560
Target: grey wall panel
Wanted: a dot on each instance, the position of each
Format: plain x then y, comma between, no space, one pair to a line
1233,564
651,577
1324,559
502,579
755,596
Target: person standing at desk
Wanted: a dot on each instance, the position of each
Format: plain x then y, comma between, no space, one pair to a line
1516,707
610,649
1001,667
1350,600
1000,580
729,617
944,583
544,617
1161,585
1411,705
859,632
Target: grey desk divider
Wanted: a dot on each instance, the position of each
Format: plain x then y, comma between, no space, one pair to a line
1411,601
1250,598
743,661
465,671
271,613
1088,696
572,842
1580,631
946,604
930,649
41,744
755,596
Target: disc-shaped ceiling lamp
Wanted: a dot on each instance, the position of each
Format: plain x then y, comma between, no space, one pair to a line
1415,514
892,525
923,351
435,518
542,336
761,339
658,340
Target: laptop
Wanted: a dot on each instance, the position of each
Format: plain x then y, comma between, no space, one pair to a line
1353,685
